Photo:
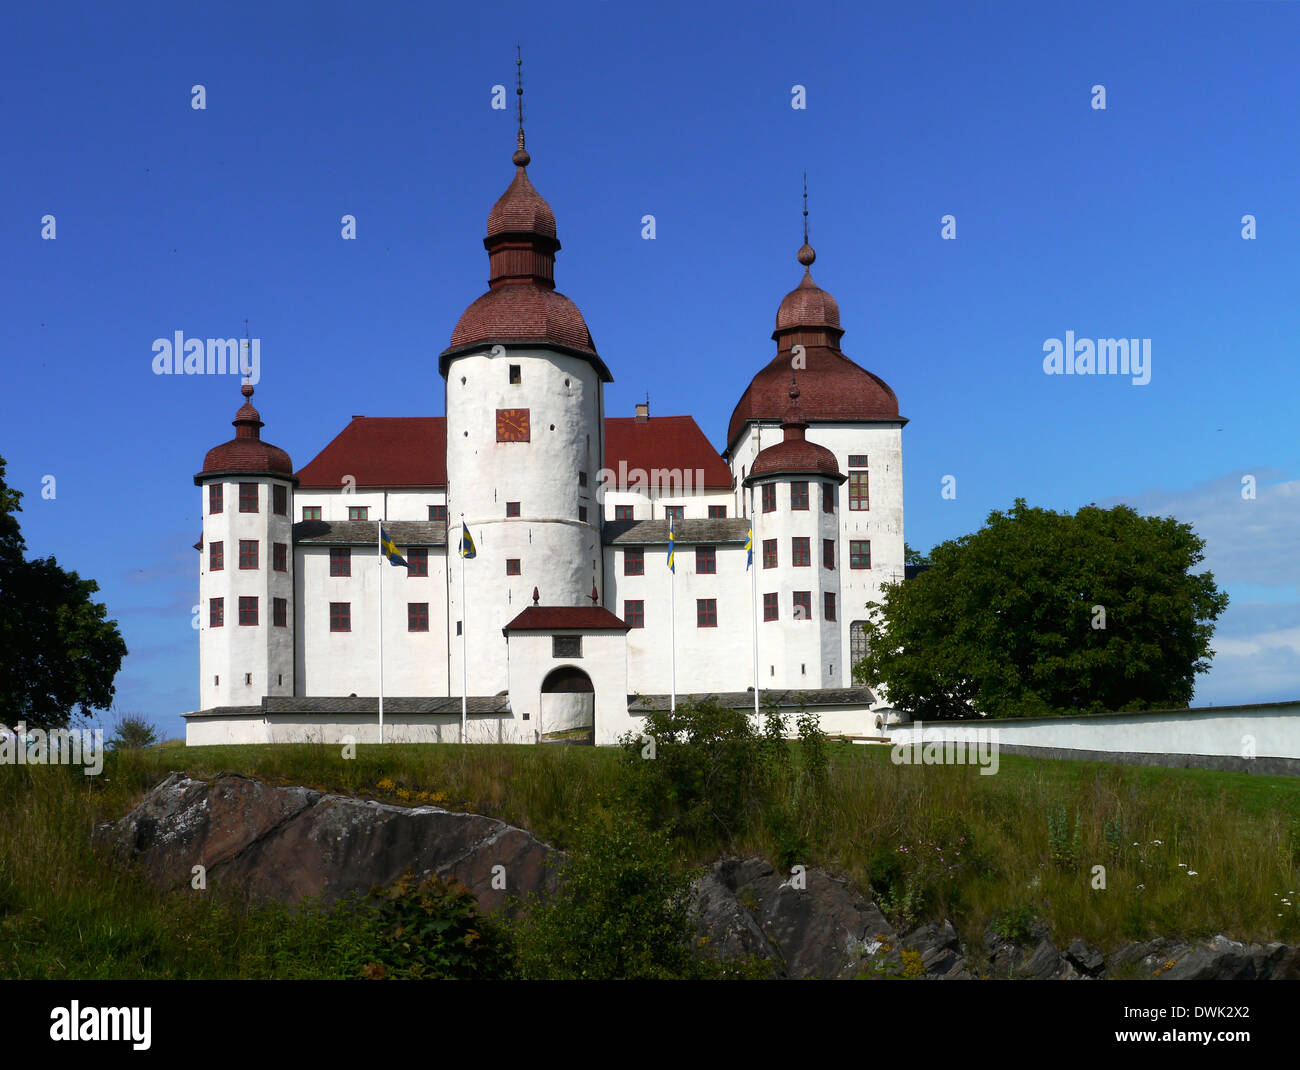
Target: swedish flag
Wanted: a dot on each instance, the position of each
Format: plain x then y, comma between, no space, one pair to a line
672,544
389,548
749,550
467,548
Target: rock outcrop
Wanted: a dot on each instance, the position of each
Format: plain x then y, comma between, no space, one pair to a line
291,843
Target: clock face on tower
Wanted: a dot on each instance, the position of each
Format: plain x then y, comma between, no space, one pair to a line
512,425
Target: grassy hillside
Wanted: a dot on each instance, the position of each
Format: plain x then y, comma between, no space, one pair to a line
930,842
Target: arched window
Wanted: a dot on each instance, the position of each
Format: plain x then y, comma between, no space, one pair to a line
857,642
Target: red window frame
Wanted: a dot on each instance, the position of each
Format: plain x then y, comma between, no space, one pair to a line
340,561
417,561
771,606
634,613
801,552
623,512
311,512
279,500
216,498
828,497
634,561
438,512
706,560
717,512
513,566
769,497
769,553
512,508
358,512
280,612
248,554
280,556
828,554
248,610
804,599
706,612
340,616
859,553
677,512
216,612
417,616
248,497
828,607
859,491
799,494
216,556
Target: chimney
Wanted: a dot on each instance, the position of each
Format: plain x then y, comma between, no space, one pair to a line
642,412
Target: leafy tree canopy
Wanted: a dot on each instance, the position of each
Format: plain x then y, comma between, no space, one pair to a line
58,650
1041,612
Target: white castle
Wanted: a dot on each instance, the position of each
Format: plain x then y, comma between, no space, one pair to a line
571,620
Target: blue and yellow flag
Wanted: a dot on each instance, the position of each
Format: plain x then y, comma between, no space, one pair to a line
467,548
389,548
672,543
749,549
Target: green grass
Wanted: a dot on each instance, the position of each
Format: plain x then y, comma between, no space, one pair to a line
64,912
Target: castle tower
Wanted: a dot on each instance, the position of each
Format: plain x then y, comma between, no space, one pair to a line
525,438
246,591
795,486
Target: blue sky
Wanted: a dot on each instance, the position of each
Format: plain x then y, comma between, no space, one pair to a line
1123,222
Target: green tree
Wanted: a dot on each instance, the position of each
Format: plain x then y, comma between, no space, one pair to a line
58,650
1041,612
133,732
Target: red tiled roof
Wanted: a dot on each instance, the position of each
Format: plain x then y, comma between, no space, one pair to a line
523,312
549,618
521,209
672,442
794,457
246,452
411,451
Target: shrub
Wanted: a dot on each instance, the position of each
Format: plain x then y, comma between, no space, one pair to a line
133,732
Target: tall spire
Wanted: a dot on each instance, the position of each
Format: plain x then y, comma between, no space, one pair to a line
806,255
521,157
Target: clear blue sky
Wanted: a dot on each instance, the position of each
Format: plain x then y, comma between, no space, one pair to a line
1122,222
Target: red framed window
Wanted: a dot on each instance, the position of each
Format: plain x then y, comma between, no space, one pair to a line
717,512
800,552
216,556
828,553
358,512
676,512
828,497
280,612
216,498
706,612
706,560
248,609
512,566
280,556
216,612
340,616
417,561
512,508
634,613
438,512
248,497
634,561
248,553
857,460
859,496
799,494
803,605
340,561
279,500
859,553
769,553
771,606
769,497
311,512
622,512
417,616
828,602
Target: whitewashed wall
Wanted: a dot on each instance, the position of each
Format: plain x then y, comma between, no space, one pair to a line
604,660
403,504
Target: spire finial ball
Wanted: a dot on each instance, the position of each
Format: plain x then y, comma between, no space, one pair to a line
247,390
806,255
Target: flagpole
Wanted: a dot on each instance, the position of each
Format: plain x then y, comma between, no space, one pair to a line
753,590
379,564
672,610
464,636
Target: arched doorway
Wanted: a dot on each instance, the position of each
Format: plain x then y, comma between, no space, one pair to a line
568,707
